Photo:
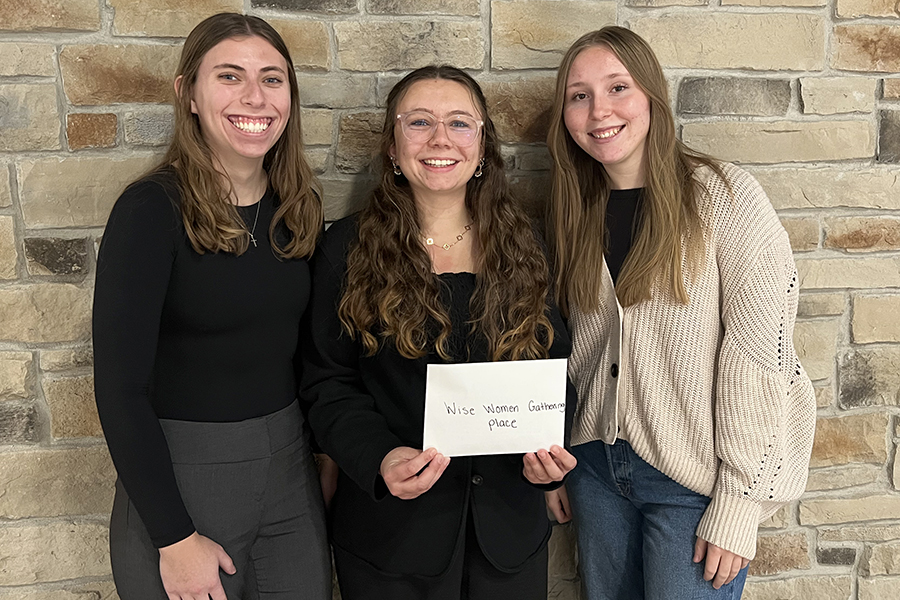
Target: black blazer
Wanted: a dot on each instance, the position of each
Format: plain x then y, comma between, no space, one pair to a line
364,407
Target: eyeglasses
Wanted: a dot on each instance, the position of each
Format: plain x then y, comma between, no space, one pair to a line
419,126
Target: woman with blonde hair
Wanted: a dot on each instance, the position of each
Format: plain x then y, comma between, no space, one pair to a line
202,279
695,419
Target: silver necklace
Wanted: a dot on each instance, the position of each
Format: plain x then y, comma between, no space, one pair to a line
253,229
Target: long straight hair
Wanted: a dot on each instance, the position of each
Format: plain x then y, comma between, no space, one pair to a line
576,216
391,292
210,219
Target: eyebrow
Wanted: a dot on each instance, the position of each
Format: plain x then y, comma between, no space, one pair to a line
452,112
240,68
610,76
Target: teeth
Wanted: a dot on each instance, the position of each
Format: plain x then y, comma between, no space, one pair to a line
607,134
251,126
439,163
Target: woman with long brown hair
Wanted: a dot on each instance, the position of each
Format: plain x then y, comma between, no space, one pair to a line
441,266
202,279
695,419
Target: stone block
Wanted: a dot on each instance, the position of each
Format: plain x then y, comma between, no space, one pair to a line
152,126
869,376
833,95
73,412
34,60
318,159
889,136
42,593
359,136
399,45
318,127
166,18
882,559
791,3
862,233
307,42
859,533
851,9
64,359
19,424
878,588
816,345
836,556
321,6
43,15
56,256
779,553
45,312
75,191
850,439
520,107
782,141
895,475
91,130
734,96
803,232
561,564
58,482
537,159
16,379
536,33
343,197
847,510
876,318
824,396
779,520
726,40
5,190
829,187
657,3
29,117
838,478
891,89
107,74
820,587
468,8
866,48
46,552
848,272
821,304
336,90
8,251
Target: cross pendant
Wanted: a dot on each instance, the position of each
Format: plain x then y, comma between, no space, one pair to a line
253,239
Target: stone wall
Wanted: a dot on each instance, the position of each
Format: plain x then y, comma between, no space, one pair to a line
804,93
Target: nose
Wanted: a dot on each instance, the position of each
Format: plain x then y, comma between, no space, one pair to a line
253,94
600,109
440,137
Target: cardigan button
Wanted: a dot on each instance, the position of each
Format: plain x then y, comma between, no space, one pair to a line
477,479
614,370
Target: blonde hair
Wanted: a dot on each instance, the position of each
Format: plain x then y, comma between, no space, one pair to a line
576,216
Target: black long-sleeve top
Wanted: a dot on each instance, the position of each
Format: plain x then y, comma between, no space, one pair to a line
180,335
622,213
365,406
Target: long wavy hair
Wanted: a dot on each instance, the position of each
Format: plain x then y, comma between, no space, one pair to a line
391,291
576,215
210,219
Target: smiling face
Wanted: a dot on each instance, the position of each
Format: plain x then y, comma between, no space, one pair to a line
437,166
608,115
243,99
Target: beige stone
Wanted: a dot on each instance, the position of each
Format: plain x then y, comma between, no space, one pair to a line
102,590
848,272
45,312
532,190
150,126
879,588
5,190
780,519
536,33
108,74
850,9
29,118
821,304
824,396
16,377
535,159
318,127
779,553
520,107
45,594
816,345
859,533
803,231
90,130
73,412
895,476
833,95
358,141
344,196
66,358
166,18
307,41
562,552
801,3
892,89
75,192
820,587
782,141
850,439
58,482
876,318
726,40
870,376
55,551
838,478
425,7
883,559
336,90
656,3
26,59
847,510
8,250
862,233
318,158
41,15
866,48
829,187
390,45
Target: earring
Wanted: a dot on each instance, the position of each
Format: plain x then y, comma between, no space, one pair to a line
397,170
480,170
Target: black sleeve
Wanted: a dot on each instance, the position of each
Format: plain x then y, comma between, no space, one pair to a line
133,269
343,416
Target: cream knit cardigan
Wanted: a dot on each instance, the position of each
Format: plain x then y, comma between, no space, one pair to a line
711,392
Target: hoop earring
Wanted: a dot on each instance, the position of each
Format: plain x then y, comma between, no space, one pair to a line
397,170
480,170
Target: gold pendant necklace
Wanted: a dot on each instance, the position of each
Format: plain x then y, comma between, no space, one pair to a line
430,241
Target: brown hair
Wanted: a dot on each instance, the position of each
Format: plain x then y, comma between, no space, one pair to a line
391,290
210,219
580,191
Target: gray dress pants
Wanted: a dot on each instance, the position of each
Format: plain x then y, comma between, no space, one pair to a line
250,486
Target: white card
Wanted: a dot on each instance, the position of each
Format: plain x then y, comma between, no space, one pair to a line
506,407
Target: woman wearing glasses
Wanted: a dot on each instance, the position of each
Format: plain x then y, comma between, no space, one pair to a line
441,266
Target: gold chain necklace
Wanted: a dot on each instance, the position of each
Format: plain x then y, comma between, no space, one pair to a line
430,241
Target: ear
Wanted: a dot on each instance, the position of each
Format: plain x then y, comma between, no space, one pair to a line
392,151
178,81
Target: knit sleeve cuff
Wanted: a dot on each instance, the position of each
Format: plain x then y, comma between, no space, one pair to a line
731,523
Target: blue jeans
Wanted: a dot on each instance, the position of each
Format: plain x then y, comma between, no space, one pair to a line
636,529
